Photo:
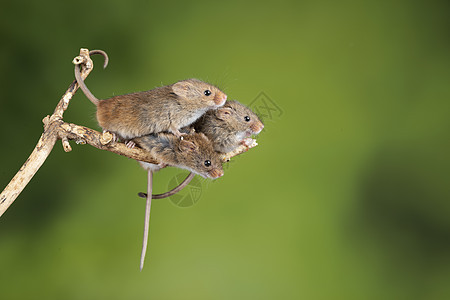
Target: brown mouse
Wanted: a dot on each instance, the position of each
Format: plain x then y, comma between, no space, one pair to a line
166,108
229,126
193,152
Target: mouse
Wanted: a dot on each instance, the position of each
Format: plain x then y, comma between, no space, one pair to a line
229,126
163,109
193,152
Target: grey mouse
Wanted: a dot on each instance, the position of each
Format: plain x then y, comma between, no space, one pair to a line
193,152
229,126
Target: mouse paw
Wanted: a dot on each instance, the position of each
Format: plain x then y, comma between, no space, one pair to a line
108,137
114,136
130,144
176,132
247,142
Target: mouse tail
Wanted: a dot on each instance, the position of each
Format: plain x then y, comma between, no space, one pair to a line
80,80
173,191
147,218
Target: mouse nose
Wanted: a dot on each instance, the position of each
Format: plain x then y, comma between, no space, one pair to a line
220,99
257,127
216,173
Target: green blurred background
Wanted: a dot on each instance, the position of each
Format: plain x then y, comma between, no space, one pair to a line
346,196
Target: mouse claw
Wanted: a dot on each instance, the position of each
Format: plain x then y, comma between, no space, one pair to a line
130,144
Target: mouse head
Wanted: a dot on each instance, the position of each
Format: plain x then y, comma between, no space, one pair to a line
199,92
197,155
240,119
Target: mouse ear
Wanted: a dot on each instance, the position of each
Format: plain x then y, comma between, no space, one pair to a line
223,113
187,146
183,89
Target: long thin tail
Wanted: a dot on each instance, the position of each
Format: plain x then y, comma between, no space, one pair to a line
173,191
80,80
147,217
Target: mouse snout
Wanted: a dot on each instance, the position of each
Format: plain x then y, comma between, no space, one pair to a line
257,127
220,98
215,173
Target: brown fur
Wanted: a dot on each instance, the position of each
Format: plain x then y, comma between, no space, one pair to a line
188,153
226,127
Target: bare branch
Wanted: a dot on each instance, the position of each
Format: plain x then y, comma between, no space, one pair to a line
29,168
103,141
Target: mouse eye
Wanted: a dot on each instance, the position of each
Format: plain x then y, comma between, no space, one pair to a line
207,163
207,92
247,119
